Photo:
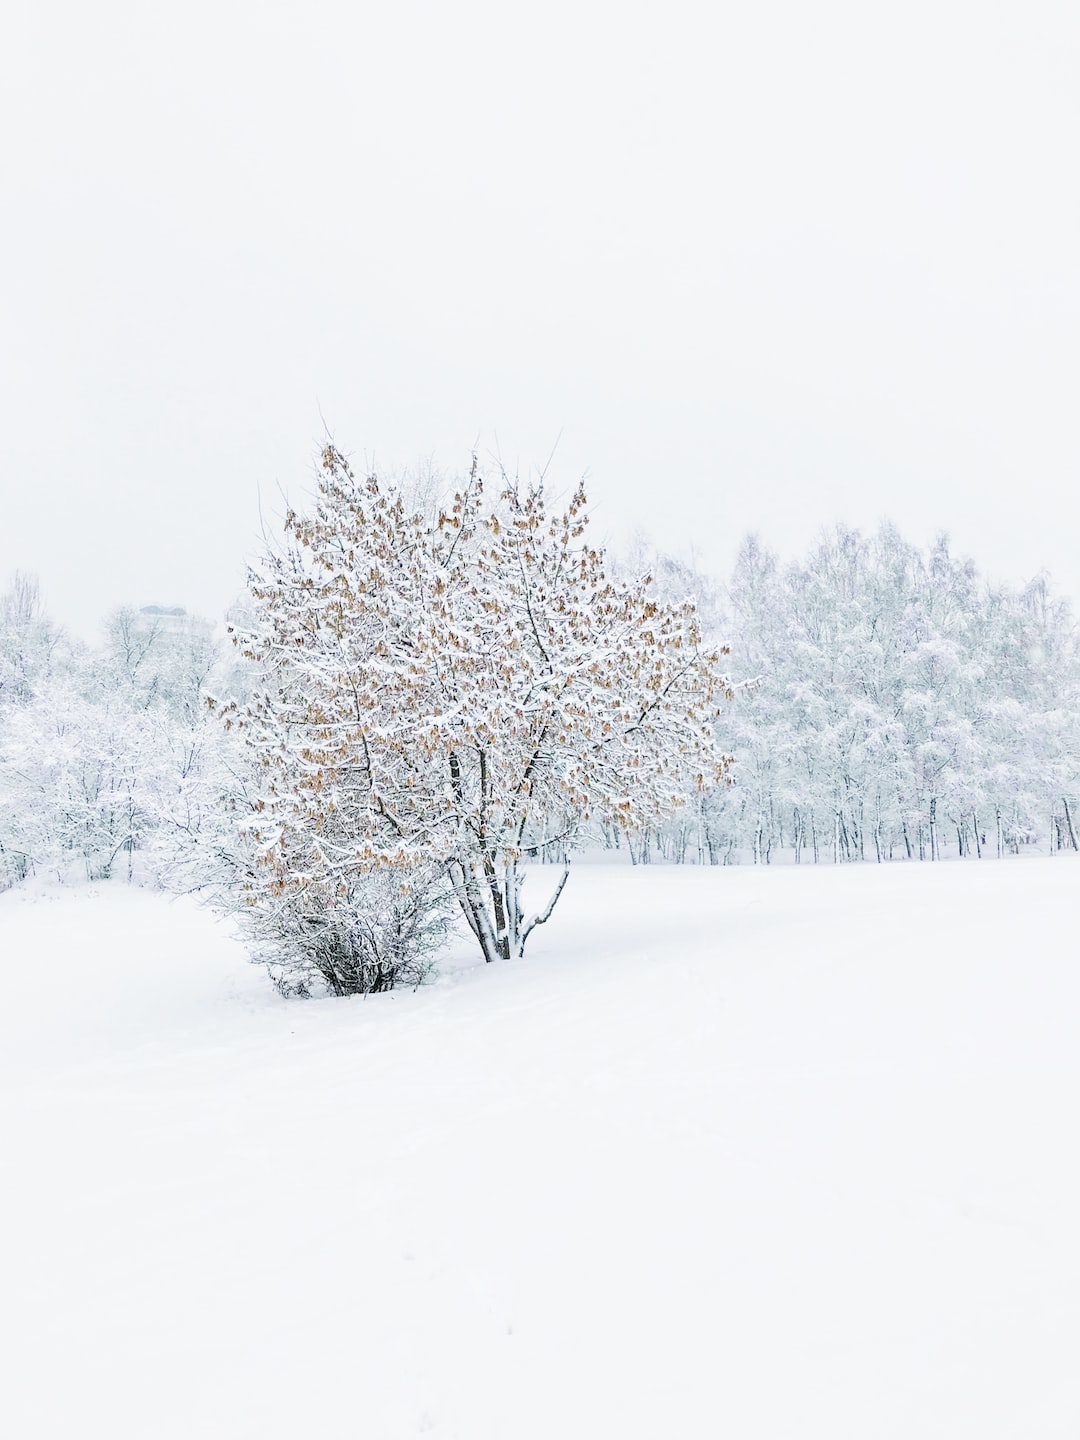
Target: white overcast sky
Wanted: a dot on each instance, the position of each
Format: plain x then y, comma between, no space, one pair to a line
761,265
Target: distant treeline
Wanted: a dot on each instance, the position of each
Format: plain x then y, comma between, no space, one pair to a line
889,704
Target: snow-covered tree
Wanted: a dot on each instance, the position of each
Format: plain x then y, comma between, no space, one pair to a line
104,753
29,641
456,688
902,707
33,655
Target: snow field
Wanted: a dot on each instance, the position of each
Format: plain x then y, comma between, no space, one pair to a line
760,1153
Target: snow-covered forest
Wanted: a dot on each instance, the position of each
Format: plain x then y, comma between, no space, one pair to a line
107,758
898,706
884,702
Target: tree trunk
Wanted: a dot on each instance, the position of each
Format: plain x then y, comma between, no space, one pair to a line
470,896
501,931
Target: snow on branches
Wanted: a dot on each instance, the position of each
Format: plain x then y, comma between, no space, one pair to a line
450,688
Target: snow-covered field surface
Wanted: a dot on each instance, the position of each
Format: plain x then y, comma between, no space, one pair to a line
780,1153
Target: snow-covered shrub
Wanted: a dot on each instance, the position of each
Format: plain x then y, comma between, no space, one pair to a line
353,936
356,938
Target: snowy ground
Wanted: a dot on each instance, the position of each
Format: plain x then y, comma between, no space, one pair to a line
785,1154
